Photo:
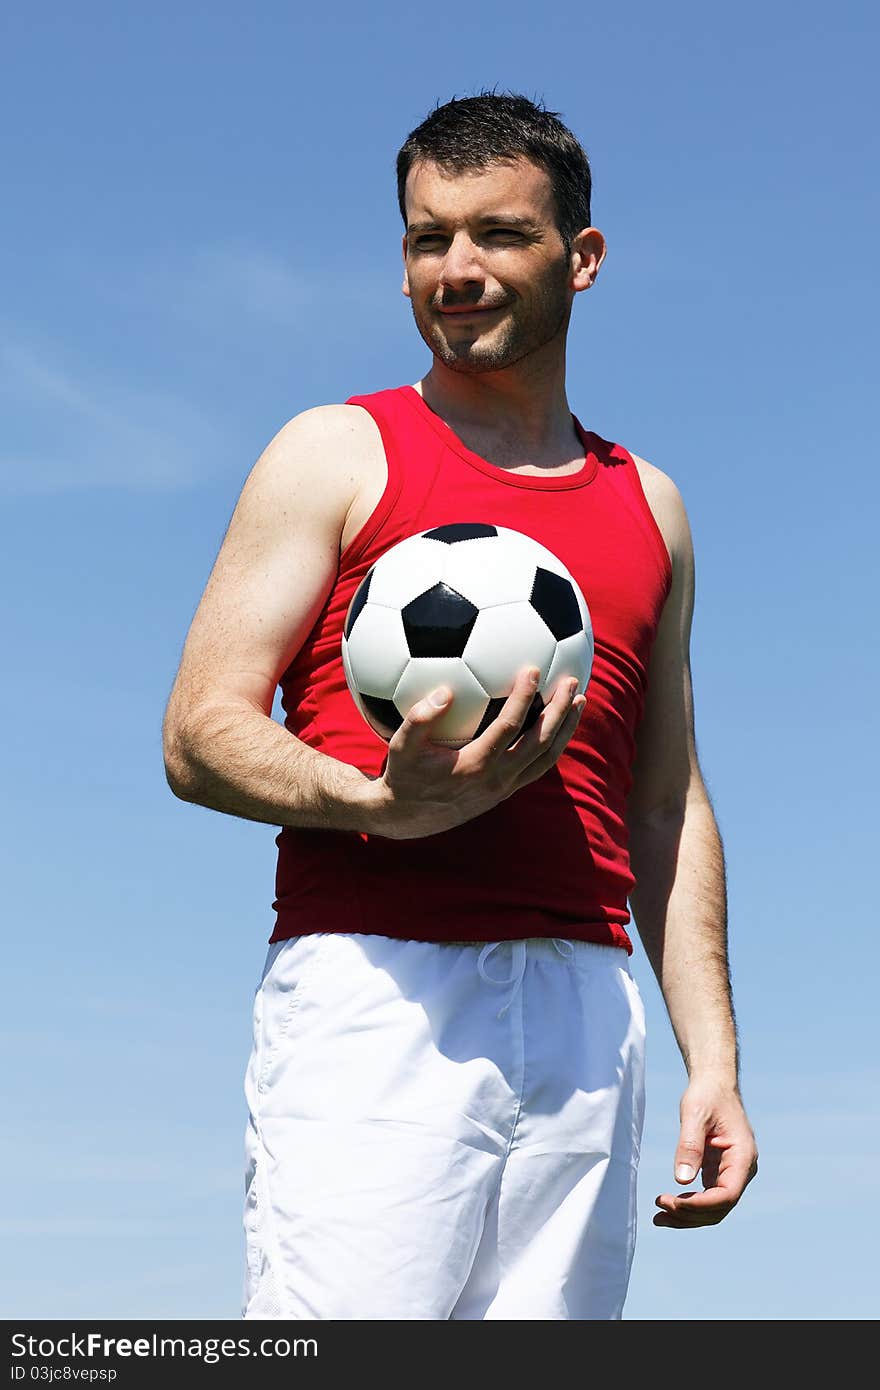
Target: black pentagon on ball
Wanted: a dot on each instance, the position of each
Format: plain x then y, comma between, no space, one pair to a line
460,531
357,603
553,598
438,622
494,708
384,712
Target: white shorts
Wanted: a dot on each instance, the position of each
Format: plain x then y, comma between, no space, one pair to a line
442,1130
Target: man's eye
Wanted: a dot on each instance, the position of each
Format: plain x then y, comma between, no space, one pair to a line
495,232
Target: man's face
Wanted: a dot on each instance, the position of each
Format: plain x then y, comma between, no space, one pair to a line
485,244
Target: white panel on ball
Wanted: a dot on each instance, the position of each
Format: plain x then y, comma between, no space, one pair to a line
377,650
407,570
504,639
423,674
488,573
573,657
533,552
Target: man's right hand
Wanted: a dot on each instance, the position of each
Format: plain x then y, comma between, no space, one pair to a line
427,788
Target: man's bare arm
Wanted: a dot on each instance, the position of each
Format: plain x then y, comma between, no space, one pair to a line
275,569
271,578
680,906
675,848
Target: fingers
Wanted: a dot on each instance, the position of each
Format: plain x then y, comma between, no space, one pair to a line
726,1177
433,705
691,1209
505,727
421,719
689,1154
538,748
537,751
544,743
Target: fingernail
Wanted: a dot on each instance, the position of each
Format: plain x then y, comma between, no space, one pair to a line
534,675
684,1173
439,698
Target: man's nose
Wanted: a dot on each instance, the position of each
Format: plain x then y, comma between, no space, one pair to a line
461,264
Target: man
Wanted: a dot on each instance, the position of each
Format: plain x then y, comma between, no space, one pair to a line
446,1084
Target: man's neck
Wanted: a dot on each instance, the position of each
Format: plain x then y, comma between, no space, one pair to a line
491,414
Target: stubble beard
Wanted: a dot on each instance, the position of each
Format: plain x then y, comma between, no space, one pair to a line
509,342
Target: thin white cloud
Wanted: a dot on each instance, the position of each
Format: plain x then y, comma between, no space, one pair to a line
228,282
104,1165
110,1006
249,282
133,1170
81,1226
73,423
85,433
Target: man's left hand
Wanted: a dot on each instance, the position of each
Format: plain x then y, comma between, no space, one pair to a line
716,1138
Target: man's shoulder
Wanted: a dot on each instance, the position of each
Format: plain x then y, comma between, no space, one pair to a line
653,477
336,420
330,434
666,503
318,460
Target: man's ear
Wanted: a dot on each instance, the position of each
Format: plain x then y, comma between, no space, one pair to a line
405,285
587,254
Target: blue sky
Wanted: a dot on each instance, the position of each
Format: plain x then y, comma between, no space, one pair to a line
201,239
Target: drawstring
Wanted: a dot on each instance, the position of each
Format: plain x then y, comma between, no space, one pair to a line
518,961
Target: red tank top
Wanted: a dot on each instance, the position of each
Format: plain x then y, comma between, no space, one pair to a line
550,860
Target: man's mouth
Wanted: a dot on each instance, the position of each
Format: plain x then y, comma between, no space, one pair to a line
470,308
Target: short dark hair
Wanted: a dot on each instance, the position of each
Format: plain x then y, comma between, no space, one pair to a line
472,132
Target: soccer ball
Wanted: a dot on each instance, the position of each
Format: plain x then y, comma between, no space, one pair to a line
465,605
